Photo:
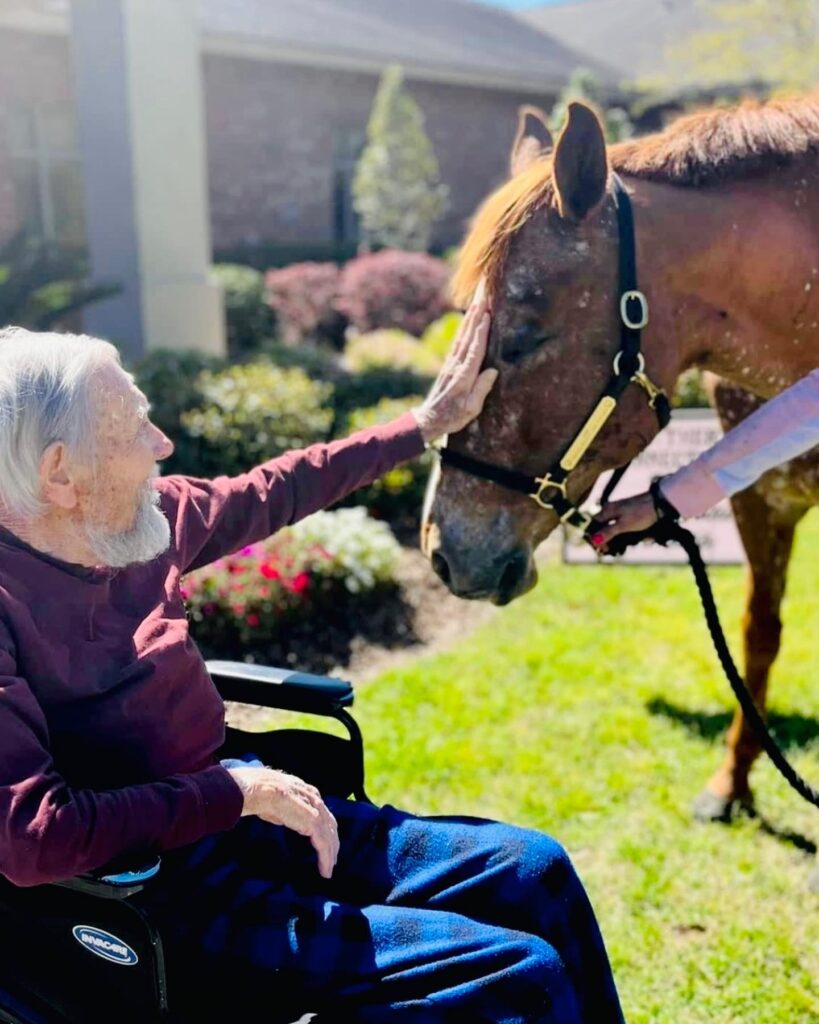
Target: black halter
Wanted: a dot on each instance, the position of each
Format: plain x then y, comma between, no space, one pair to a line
549,491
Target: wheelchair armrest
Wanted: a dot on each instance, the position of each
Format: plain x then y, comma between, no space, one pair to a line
280,688
112,883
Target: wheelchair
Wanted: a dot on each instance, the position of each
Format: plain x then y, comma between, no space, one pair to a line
84,951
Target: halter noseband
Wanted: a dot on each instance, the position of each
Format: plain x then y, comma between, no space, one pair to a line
549,491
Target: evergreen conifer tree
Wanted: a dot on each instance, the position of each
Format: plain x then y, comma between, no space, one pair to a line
397,191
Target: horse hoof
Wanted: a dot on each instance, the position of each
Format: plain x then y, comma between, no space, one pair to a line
709,806
813,881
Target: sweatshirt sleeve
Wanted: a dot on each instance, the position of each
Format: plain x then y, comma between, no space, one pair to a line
50,831
213,518
782,429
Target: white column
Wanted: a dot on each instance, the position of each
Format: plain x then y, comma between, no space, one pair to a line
140,109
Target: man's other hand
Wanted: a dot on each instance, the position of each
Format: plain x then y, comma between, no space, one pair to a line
284,799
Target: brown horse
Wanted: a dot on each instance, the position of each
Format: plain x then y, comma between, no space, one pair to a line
726,206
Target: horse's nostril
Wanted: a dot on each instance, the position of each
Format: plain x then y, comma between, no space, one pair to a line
512,574
440,566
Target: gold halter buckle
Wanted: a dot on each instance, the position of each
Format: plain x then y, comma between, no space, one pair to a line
651,389
642,319
642,378
586,520
545,483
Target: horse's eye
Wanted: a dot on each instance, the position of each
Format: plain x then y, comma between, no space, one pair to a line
523,341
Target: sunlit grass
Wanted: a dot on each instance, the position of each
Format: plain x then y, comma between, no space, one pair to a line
594,709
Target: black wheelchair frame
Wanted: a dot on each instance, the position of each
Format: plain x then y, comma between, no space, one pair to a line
84,951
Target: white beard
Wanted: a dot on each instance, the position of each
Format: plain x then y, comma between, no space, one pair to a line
147,537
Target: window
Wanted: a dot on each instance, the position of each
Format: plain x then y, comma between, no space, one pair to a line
47,173
345,220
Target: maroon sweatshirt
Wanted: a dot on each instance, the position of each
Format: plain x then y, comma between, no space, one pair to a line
109,722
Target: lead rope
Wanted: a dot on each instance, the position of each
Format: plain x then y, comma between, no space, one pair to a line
663,532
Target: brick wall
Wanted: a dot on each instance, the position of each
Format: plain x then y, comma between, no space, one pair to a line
274,135
274,132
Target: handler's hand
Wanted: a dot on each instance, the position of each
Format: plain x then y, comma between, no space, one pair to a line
627,516
284,799
457,396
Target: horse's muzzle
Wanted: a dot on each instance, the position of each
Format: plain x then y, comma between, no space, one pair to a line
499,580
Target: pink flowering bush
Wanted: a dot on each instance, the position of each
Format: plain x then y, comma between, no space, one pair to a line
303,297
248,603
392,288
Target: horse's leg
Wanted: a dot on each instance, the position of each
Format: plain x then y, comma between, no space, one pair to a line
767,535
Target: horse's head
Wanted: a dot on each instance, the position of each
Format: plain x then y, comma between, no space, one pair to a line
546,245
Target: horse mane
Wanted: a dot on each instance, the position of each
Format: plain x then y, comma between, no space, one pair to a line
695,151
715,145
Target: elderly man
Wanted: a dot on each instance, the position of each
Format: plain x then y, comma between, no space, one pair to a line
110,727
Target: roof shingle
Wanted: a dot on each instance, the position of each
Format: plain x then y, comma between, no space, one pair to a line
455,35
463,39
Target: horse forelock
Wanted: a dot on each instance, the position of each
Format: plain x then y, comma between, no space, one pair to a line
501,216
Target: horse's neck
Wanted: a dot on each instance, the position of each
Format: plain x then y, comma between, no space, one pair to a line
732,274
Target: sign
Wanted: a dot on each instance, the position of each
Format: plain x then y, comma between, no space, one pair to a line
690,432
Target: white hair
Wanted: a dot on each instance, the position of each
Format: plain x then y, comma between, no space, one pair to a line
45,397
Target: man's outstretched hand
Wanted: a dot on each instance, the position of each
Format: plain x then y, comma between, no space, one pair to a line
457,396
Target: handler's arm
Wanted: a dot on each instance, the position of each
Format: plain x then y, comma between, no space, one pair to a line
782,429
786,426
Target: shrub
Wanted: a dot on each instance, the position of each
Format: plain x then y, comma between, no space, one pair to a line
303,297
266,255
248,602
317,363
440,334
690,392
354,550
44,285
251,413
367,388
392,288
389,348
170,379
250,321
398,495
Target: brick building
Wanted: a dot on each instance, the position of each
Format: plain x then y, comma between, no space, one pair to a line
288,86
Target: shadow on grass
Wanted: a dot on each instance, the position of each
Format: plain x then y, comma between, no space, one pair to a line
766,827
785,835
791,732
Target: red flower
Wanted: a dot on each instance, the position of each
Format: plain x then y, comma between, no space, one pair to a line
300,583
252,619
269,572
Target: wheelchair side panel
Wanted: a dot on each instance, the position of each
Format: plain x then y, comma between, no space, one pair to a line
82,955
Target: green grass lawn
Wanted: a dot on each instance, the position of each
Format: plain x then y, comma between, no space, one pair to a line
594,709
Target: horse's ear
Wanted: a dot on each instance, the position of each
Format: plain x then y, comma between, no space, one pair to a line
581,167
532,139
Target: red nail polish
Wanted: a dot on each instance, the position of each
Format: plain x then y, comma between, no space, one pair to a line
597,539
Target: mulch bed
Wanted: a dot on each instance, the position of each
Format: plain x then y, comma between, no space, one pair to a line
417,617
